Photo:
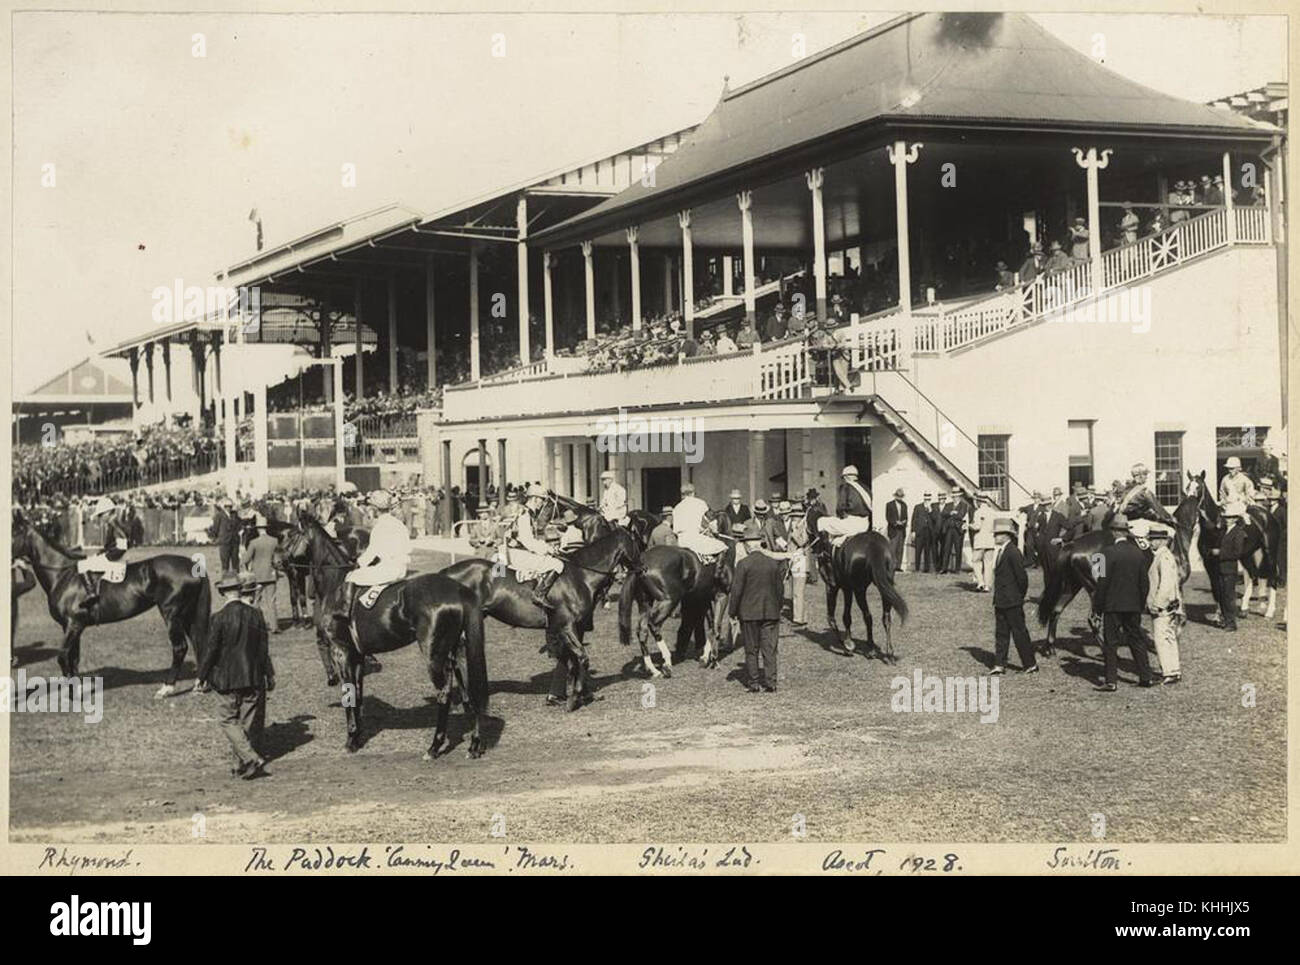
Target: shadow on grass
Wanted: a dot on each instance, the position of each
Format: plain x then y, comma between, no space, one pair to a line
378,716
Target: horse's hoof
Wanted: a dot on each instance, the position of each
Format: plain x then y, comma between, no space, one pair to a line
575,701
166,690
332,680
353,743
475,749
666,670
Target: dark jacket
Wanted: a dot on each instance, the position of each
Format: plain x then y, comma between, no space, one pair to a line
896,515
1233,546
773,529
849,502
224,528
1123,583
756,588
733,520
921,520
237,656
1010,581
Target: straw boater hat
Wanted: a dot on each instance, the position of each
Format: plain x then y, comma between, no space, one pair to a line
381,499
760,506
783,507
534,490
1158,531
607,474
1004,524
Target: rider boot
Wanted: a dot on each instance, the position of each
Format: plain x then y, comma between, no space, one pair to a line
543,586
91,581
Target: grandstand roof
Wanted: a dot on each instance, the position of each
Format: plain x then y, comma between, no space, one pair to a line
998,71
95,380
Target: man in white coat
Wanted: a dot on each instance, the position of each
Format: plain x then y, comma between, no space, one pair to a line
389,553
690,524
530,553
613,499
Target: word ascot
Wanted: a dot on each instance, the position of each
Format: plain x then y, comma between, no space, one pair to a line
653,434
932,694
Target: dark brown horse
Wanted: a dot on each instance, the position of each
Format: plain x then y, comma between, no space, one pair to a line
666,578
1264,537
21,580
640,523
176,585
858,562
588,573
1078,565
438,614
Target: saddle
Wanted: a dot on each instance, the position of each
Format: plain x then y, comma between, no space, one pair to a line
370,595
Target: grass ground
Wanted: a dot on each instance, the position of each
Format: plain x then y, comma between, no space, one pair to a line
704,761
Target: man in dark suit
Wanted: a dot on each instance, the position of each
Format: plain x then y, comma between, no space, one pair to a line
237,665
755,600
734,515
1121,598
1010,581
921,536
896,526
1233,546
1031,530
224,531
937,518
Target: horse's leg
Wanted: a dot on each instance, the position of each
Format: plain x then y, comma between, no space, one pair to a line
70,652
655,616
572,645
860,594
438,644
324,648
848,622
180,642
691,616
352,668
1247,591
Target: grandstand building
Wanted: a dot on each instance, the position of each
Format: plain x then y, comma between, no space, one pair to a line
874,186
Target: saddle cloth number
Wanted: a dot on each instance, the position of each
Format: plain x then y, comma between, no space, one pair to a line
371,594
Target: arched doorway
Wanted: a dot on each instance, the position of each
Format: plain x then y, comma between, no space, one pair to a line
476,479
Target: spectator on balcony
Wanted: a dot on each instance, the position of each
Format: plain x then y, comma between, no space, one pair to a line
1058,260
830,355
797,322
1034,265
707,345
1157,224
1128,225
1214,192
1005,279
689,347
746,337
1203,190
839,313
725,345
1182,195
776,326
1079,240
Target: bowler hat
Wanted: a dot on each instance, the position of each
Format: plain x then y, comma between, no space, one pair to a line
898,493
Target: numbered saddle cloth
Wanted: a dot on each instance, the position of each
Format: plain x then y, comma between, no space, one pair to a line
707,548
370,596
110,571
528,565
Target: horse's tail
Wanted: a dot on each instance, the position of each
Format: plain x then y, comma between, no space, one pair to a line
475,652
200,616
882,574
1052,588
626,599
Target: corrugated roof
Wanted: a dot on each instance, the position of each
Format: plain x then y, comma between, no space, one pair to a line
944,67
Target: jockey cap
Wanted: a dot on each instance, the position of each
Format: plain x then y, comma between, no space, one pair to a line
1232,463
381,499
848,471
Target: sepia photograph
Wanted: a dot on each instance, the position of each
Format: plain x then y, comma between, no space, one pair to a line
662,440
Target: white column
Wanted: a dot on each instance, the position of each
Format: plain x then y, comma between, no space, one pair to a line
392,333
261,466
548,261
728,271
1268,206
430,334
1227,197
474,366
590,280
521,223
1092,162
339,459
900,156
688,272
745,199
816,178
668,282
634,250
359,378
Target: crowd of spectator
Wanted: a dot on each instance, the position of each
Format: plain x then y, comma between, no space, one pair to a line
153,454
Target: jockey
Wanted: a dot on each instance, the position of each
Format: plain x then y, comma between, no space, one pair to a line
389,553
852,509
540,555
1236,486
690,524
1136,492
115,545
613,499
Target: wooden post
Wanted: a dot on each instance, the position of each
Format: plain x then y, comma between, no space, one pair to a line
548,306
634,250
816,178
745,199
430,331
590,280
475,369
901,154
688,272
521,298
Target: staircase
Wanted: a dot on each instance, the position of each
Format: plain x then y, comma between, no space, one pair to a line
926,451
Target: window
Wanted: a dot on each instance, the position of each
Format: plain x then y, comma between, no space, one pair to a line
1169,467
1079,433
993,467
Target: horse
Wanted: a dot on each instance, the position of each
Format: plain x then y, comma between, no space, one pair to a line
1076,569
588,572
640,522
328,560
293,559
669,576
21,580
855,564
176,585
431,610
1264,537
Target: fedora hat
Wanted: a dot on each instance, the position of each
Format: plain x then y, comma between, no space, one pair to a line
734,494
760,505
1232,463
751,532
1158,531
1119,522
812,494
1004,524
229,584
898,493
